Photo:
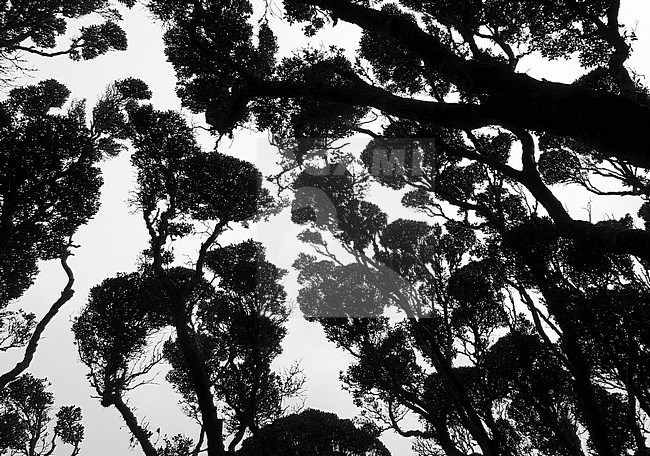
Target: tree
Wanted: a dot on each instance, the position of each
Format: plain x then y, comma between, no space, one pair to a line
450,118
434,64
315,432
477,372
44,200
227,329
240,329
112,333
49,187
37,224
25,406
27,27
179,183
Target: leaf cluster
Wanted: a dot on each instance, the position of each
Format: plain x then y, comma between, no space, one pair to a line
49,181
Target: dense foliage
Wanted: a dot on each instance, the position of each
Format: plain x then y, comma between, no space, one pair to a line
49,187
33,28
508,342
25,415
444,64
315,432
50,182
227,328
492,321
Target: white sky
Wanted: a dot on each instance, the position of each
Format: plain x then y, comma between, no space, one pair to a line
111,242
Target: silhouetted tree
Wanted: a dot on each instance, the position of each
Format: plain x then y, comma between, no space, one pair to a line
28,27
49,187
240,329
179,184
25,407
481,369
112,333
227,330
238,326
434,64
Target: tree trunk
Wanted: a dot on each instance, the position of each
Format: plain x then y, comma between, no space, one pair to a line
198,376
132,423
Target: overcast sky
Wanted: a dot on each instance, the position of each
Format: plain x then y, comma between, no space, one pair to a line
111,242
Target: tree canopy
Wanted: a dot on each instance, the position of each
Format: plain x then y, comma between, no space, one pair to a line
469,138
436,65
49,187
227,329
25,406
33,28
490,321
42,151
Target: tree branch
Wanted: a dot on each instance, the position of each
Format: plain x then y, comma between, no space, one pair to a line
33,50
612,124
30,350
132,423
